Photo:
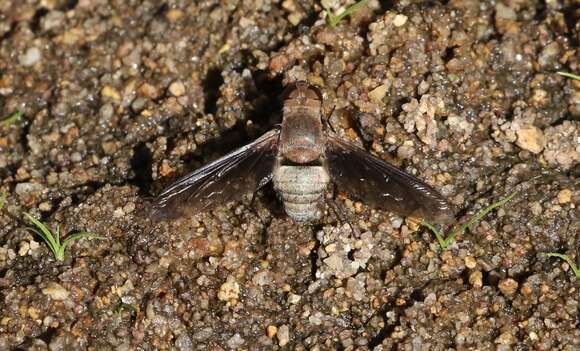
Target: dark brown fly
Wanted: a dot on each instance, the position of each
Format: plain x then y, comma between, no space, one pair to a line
301,159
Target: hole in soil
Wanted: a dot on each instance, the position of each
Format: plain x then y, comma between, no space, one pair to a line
417,295
541,12
522,276
350,255
490,278
141,163
161,10
384,332
8,33
266,101
448,54
304,25
382,335
47,335
24,136
35,22
559,121
386,5
69,5
211,86
465,277
314,253
571,17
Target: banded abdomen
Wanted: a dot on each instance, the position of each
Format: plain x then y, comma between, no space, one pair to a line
301,188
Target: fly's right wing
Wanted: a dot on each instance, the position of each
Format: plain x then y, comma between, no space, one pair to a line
227,179
383,185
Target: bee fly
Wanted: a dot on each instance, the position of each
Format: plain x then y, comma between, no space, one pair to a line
301,158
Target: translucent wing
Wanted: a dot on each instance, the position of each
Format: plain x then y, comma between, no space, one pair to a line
382,185
227,179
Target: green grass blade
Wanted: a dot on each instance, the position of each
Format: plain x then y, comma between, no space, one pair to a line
126,307
484,212
11,119
49,243
57,235
2,199
437,233
568,260
44,231
81,235
334,19
446,240
569,75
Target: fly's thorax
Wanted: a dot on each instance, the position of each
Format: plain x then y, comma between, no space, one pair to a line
301,188
301,139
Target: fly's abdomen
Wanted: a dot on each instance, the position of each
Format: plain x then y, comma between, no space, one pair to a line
301,188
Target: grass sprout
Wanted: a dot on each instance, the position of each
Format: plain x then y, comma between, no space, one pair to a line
11,119
53,240
569,75
2,199
568,260
126,307
334,19
448,239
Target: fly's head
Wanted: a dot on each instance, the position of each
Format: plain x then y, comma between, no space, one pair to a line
303,94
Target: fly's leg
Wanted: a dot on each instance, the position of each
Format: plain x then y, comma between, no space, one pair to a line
326,120
341,213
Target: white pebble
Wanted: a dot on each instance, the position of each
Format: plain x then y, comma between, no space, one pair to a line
31,57
56,291
283,335
24,247
399,20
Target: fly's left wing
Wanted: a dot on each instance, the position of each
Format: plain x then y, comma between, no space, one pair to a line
227,179
383,185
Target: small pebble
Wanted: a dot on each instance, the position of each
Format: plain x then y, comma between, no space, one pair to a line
470,262
283,335
23,189
177,88
508,287
56,291
34,245
235,341
31,57
564,196
294,299
399,20
476,279
24,247
531,138
377,94
110,92
45,206
230,290
148,90
271,331
505,339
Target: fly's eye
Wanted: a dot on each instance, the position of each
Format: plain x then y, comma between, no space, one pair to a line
302,90
314,93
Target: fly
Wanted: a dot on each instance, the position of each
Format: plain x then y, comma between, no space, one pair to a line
301,158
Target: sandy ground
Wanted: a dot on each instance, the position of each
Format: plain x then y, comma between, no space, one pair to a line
121,97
